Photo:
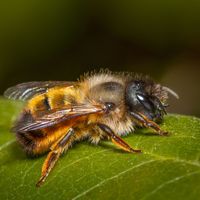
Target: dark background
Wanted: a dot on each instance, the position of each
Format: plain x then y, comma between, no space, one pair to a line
59,40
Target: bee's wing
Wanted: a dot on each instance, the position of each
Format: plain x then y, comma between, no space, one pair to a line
25,91
53,117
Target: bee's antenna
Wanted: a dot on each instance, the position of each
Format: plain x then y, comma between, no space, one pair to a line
170,91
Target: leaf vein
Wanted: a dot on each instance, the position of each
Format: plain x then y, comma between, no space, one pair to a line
76,161
7,144
160,157
111,178
169,182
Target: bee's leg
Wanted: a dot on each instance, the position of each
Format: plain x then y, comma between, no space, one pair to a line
116,139
148,123
57,149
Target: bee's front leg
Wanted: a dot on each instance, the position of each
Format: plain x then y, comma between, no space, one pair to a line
148,123
116,139
56,150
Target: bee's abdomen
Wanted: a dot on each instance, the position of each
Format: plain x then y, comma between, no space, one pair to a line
38,141
52,99
42,104
27,143
26,139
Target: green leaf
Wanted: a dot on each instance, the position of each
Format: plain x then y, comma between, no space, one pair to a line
169,167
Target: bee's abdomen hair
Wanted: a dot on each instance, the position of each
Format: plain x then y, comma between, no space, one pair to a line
26,142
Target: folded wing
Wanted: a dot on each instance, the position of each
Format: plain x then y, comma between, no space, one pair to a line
50,118
25,91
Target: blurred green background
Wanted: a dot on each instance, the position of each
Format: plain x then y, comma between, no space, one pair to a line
59,40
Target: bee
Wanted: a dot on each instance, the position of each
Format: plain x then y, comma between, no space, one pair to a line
103,105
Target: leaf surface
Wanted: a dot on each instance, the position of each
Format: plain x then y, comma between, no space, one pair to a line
168,168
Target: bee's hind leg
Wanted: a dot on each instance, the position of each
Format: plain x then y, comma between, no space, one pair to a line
56,150
116,139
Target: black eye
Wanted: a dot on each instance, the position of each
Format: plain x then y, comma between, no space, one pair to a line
145,101
131,99
140,97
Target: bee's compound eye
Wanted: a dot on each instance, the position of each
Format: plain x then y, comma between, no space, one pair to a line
109,106
140,97
145,101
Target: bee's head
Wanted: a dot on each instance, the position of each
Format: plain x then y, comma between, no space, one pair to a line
145,98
